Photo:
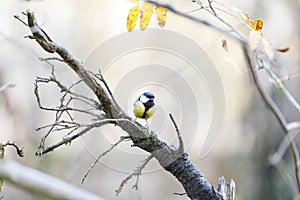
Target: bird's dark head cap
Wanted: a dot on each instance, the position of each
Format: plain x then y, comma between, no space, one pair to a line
149,95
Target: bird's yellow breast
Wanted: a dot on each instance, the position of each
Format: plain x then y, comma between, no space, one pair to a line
139,110
150,112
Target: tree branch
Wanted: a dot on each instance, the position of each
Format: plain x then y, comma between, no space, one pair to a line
231,32
101,155
19,150
6,85
181,145
70,138
36,181
137,172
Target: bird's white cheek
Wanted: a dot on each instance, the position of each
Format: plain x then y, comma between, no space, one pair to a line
144,99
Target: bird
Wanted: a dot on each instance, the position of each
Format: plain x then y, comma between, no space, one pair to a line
144,106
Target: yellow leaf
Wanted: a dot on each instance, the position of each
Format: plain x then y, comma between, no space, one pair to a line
146,14
161,15
133,15
257,24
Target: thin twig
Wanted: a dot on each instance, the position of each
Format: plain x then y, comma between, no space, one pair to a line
179,193
239,37
64,107
293,126
210,6
137,172
6,86
18,18
289,77
181,145
285,143
283,89
59,114
102,79
51,58
95,104
70,138
65,140
62,123
20,151
122,138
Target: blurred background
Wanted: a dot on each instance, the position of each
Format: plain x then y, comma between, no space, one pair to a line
247,133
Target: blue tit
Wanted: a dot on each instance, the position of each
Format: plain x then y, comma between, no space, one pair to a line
144,106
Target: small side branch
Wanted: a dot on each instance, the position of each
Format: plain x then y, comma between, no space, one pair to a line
227,190
22,21
20,151
64,109
211,7
65,140
181,145
103,154
283,89
68,139
293,126
137,172
6,86
237,35
101,78
278,155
